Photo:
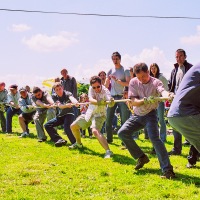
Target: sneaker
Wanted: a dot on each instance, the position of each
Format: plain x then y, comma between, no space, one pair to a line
23,135
141,162
168,174
175,153
60,143
76,146
190,165
153,152
83,136
90,136
108,154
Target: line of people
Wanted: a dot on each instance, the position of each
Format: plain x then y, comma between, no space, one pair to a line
61,108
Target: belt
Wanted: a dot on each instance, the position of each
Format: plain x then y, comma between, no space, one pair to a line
117,95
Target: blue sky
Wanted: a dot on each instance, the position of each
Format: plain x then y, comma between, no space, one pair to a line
35,46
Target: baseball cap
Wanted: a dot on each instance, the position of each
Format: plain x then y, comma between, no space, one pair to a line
14,86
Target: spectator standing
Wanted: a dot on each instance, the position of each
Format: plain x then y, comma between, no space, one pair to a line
12,100
3,101
142,91
45,109
177,74
119,78
83,110
155,72
69,84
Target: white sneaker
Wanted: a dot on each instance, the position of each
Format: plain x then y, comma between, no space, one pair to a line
108,154
76,146
24,134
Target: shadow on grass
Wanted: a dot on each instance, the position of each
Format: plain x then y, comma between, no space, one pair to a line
186,179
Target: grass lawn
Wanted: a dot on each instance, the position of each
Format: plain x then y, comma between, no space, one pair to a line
32,170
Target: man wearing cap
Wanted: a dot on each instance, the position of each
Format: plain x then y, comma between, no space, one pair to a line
44,110
12,100
69,84
28,111
3,100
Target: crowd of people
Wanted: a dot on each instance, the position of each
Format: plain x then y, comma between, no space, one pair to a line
136,95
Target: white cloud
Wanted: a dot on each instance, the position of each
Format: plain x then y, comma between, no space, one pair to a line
20,27
45,43
192,39
83,73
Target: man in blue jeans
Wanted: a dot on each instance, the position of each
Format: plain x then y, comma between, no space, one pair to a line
177,74
64,100
142,92
117,79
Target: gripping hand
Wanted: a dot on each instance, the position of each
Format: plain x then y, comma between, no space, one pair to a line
112,102
149,100
101,102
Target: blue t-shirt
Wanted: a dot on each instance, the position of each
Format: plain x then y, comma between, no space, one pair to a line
187,98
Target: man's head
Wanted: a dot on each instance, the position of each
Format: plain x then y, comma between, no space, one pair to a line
142,73
2,86
64,73
180,56
13,89
58,88
37,92
95,82
116,58
23,92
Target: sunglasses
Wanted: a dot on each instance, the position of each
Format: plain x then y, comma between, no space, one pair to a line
97,87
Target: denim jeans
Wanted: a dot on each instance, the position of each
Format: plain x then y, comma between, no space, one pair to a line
189,127
3,121
9,114
161,119
135,123
124,115
163,130
65,120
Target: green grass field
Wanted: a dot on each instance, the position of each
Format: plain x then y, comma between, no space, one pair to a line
32,170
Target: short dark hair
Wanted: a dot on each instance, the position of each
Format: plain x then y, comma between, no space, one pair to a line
181,50
116,54
36,89
140,67
95,79
101,73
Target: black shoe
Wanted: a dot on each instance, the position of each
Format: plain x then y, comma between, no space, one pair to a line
172,152
109,141
60,143
141,162
168,174
153,151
